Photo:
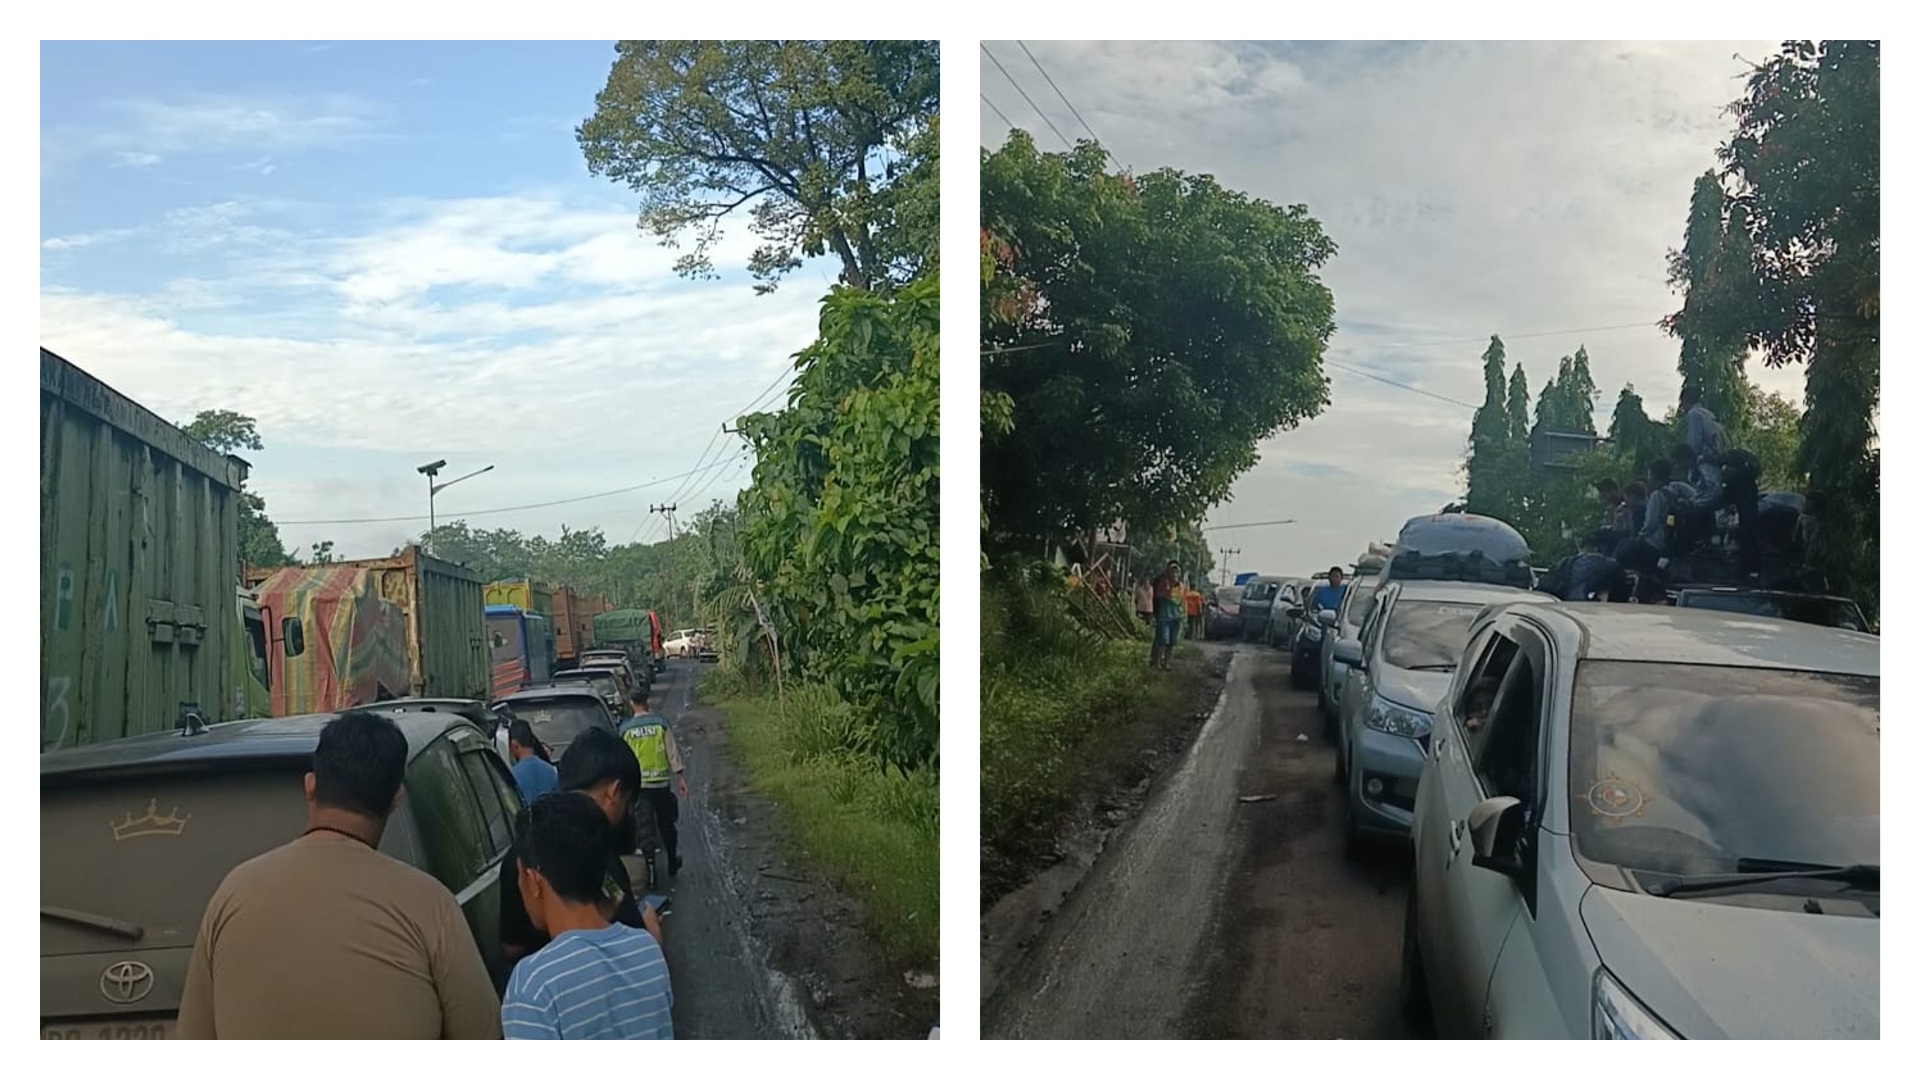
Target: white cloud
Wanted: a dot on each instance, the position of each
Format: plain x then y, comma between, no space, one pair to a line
546,337
146,131
1472,189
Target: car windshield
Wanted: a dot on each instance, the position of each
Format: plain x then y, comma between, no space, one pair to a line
558,721
148,853
601,682
1819,610
1259,592
1685,769
1425,634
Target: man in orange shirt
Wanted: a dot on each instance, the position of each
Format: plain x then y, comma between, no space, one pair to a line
1193,613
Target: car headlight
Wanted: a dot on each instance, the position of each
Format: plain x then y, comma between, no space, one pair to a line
1617,1015
1393,719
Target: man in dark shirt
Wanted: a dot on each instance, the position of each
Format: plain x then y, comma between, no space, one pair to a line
599,764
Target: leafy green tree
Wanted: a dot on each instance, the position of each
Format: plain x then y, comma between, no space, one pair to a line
225,431
1493,431
830,146
1712,268
1804,167
1637,439
839,531
1159,328
1566,402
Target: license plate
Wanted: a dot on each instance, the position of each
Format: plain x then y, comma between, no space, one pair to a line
147,1030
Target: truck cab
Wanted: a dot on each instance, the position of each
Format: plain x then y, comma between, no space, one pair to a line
520,647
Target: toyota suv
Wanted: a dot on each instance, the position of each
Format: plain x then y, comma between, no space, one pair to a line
137,833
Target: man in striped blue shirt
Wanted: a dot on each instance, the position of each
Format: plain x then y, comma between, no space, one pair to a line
595,979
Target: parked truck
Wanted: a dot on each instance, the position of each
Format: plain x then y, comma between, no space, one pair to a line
520,648
446,624
572,624
334,641
638,630
525,595
139,555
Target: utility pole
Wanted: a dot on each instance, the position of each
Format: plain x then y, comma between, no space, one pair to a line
1225,553
667,510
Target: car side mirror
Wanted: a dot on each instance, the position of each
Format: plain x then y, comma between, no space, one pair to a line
1494,826
1347,651
1326,617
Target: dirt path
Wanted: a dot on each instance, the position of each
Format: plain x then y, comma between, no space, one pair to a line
1207,917
1307,945
761,948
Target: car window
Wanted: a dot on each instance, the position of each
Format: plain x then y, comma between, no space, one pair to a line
1477,692
1683,768
1506,757
558,721
479,764
1423,635
151,851
452,831
1370,626
1359,600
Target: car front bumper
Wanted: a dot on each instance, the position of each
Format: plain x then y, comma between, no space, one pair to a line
1393,762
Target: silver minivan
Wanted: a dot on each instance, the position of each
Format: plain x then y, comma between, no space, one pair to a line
1666,825
1397,670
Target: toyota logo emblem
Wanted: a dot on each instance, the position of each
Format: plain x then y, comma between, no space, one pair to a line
126,982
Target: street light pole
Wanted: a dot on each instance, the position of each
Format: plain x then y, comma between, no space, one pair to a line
432,471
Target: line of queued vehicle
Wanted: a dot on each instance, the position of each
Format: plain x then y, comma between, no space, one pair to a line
1626,821
137,833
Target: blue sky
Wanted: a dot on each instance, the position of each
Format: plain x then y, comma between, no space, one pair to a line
390,253
1529,189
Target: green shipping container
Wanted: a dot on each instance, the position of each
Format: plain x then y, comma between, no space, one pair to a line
139,560
446,622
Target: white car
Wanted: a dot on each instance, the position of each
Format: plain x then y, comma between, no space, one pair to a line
1397,670
1668,826
682,644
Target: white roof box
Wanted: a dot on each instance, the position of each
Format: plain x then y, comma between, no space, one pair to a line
1460,547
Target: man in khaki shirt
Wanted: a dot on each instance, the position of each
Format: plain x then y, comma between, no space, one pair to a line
325,937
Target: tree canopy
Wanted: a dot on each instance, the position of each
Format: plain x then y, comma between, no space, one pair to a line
830,146
227,432
1141,334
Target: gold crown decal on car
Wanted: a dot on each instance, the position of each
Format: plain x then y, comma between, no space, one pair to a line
151,825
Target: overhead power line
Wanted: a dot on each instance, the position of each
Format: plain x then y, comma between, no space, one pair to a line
1401,385
1038,111
1248,525
996,109
453,515
1037,66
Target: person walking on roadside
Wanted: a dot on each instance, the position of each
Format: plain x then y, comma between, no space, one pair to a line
661,770
599,765
1193,600
533,771
1143,600
1169,611
594,978
326,937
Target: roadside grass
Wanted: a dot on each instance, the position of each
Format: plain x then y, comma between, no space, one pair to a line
873,833
1065,707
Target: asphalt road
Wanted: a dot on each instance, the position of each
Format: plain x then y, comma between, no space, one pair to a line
1208,917
724,986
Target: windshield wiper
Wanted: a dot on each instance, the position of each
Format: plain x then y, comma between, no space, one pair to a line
107,923
1431,667
1751,871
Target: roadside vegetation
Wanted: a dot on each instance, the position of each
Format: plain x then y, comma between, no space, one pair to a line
1067,708
1139,336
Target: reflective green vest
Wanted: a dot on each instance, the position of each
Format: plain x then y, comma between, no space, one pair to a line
647,736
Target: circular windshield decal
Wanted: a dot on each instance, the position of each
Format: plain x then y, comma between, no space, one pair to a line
1616,798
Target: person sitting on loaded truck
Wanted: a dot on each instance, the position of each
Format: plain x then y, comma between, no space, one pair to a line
1651,550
